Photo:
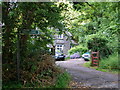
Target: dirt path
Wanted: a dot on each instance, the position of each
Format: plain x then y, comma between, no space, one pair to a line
86,77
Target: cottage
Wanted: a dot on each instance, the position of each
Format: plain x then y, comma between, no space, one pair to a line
62,43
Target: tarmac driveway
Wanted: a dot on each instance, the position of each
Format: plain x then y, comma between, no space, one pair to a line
86,77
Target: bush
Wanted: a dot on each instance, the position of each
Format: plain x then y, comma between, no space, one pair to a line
99,44
110,63
37,70
40,69
79,49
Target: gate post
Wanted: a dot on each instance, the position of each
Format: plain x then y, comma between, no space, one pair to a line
95,58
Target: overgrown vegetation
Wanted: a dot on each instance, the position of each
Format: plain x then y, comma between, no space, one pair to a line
99,44
110,64
67,58
63,80
38,71
35,67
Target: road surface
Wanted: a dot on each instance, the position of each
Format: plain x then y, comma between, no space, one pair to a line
87,77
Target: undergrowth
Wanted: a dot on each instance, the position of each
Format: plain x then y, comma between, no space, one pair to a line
37,71
63,80
110,64
67,58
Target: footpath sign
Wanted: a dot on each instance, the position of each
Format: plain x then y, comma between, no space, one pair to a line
30,32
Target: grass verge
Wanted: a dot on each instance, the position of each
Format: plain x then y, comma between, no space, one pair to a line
12,85
63,80
67,58
109,64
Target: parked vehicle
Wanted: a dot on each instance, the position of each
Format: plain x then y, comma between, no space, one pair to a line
75,56
86,56
59,57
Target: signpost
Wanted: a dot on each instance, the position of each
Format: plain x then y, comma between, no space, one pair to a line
23,32
18,56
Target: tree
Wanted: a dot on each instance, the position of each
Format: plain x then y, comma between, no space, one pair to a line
99,18
18,17
22,16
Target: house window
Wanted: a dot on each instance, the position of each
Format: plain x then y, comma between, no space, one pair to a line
60,36
59,47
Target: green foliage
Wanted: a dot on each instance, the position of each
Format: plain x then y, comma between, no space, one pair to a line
111,62
81,49
96,43
40,68
11,85
19,17
27,15
96,18
87,64
37,70
63,80
67,58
